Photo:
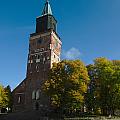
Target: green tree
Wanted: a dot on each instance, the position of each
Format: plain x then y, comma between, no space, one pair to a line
9,96
115,91
105,71
3,98
90,99
67,85
104,87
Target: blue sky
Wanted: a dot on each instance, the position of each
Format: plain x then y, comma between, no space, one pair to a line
88,29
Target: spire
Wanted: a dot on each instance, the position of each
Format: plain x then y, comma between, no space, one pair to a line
46,21
47,9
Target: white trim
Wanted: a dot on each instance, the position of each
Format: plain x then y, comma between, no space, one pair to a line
38,53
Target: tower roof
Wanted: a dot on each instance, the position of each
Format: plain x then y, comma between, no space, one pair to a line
47,9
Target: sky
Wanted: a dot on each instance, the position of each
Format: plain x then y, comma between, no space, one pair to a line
88,29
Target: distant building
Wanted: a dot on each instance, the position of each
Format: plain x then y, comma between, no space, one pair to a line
44,49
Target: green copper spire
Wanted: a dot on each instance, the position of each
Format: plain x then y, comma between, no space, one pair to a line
47,9
46,21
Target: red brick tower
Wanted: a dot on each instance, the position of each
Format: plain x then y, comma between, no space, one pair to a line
44,49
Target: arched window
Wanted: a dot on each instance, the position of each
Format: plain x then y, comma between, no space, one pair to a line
19,99
33,95
38,94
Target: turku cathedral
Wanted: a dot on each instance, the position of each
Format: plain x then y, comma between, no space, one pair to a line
44,49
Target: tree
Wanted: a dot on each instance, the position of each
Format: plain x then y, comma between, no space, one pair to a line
105,71
9,96
90,99
104,86
67,85
3,98
116,86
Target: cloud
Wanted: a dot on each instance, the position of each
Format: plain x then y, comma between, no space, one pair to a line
71,54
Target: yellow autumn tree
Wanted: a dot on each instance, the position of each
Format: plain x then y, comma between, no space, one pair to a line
3,98
67,84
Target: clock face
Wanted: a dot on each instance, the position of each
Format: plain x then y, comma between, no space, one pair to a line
39,41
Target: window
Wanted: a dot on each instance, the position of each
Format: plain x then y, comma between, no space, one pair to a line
19,99
37,67
41,60
44,59
38,56
33,95
37,60
50,47
37,94
31,61
48,58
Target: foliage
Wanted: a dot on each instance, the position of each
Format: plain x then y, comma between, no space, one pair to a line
67,84
104,87
90,99
9,96
3,98
116,86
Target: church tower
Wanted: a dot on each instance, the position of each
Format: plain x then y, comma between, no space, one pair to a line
45,44
44,49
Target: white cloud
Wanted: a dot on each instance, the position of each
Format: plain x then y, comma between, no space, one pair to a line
71,54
